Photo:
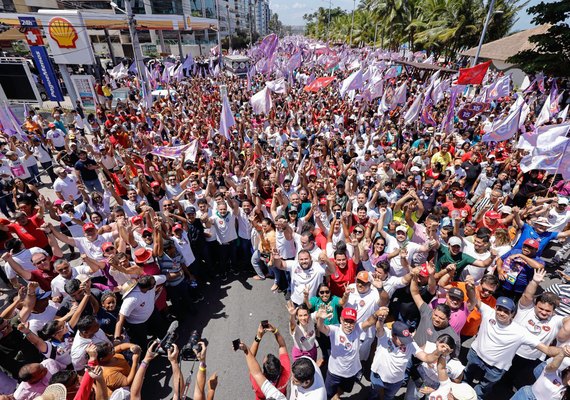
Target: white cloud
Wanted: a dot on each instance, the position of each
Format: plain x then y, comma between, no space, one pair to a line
298,5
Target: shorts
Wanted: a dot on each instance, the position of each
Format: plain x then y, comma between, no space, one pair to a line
297,353
334,382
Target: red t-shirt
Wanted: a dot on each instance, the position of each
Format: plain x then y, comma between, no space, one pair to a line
341,277
464,210
29,234
281,383
43,278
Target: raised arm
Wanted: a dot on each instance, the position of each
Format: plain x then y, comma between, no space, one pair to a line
527,298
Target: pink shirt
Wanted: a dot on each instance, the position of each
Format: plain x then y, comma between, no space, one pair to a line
26,391
458,317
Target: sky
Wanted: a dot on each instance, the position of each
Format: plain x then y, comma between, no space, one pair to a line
291,11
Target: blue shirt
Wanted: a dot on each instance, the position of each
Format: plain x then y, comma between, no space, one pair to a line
525,272
528,232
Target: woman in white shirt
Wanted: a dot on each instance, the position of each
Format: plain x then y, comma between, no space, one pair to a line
303,331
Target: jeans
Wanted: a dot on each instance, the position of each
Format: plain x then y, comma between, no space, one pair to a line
93,186
524,393
245,252
48,167
390,389
478,369
35,173
258,264
7,204
228,255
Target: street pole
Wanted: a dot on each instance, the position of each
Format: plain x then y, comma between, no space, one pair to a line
329,24
110,45
487,19
180,45
229,28
352,23
250,25
219,36
137,52
375,33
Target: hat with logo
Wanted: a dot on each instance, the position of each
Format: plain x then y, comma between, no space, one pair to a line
507,303
492,214
563,201
154,184
176,227
542,221
363,276
459,193
146,230
531,243
401,228
41,295
348,314
106,245
323,201
136,219
424,270
456,293
88,226
402,331
455,241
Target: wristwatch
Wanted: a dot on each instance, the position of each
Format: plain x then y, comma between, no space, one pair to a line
257,339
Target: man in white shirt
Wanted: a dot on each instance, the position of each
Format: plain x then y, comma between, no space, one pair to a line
88,331
559,215
307,382
306,274
65,186
496,344
344,362
91,244
138,314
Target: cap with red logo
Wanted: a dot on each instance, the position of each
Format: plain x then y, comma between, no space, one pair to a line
146,230
154,184
106,245
402,331
424,270
88,226
493,214
459,193
531,243
176,227
363,276
348,314
323,201
136,219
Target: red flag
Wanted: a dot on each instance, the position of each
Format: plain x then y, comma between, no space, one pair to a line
473,75
318,84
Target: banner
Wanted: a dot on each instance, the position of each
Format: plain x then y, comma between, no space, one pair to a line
170,151
46,72
84,87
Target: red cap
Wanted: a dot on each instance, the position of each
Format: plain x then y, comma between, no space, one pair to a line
268,203
154,184
531,243
142,255
51,125
88,226
459,193
147,230
323,201
106,245
493,214
136,219
348,313
424,270
247,145
176,227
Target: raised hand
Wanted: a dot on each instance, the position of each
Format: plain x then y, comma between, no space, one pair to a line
539,275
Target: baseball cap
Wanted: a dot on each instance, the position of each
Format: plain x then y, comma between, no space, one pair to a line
401,228
66,204
142,255
136,219
415,169
348,314
323,201
463,391
402,331
82,278
88,226
531,243
455,241
493,214
40,294
268,203
176,227
507,210
424,270
459,193
563,200
146,230
106,245
154,184
191,210
542,221
51,125
507,303
363,276
456,293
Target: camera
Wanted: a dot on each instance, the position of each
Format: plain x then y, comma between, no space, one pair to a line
188,352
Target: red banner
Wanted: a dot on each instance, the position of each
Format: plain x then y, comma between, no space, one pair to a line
473,75
318,84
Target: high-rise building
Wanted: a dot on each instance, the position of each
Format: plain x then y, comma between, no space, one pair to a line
262,16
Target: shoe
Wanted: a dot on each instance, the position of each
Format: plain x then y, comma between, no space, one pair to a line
234,271
258,278
274,287
287,296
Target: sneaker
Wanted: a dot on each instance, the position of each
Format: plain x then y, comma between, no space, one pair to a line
287,296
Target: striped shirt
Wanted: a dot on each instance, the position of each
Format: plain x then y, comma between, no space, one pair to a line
563,291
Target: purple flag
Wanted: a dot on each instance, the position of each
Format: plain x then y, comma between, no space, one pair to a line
294,62
414,111
353,82
505,128
269,45
425,115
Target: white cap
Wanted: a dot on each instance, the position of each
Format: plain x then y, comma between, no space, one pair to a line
563,200
455,241
507,210
402,228
415,169
462,391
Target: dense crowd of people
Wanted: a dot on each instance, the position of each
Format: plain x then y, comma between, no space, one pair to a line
393,243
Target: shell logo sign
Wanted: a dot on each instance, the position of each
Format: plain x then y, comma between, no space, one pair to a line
63,32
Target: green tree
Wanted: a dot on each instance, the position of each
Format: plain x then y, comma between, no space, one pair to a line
552,49
275,25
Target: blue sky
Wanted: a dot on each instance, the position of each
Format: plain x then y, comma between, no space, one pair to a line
291,11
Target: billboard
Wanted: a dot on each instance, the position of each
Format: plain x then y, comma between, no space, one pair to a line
17,81
67,36
47,74
84,87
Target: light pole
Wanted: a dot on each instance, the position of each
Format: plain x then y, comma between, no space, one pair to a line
229,28
219,37
352,23
375,33
329,24
487,19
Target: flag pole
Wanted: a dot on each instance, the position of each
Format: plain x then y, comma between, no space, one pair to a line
557,168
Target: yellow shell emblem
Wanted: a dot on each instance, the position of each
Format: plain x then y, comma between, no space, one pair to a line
62,32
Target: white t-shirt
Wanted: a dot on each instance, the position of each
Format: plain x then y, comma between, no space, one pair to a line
545,331
137,306
316,391
24,258
37,321
225,227
58,283
75,229
442,392
78,354
453,367
390,361
271,392
345,358
244,225
93,249
549,386
497,344
57,137
19,169
304,337
183,247
311,277
365,305
476,272
67,187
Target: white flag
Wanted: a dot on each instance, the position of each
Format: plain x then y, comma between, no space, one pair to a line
414,111
400,96
504,129
353,82
277,86
261,101
544,115
542,137
564,113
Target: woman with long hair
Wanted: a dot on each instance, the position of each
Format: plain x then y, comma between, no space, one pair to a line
303,331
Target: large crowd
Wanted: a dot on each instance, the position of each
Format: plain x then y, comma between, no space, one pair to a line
392,243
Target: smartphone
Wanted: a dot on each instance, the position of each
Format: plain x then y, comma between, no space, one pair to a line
338,214
265,324
236,343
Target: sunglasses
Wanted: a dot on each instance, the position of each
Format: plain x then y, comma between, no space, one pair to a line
109,249
43,260
359,282
147,235
487,290
358,231
324,291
